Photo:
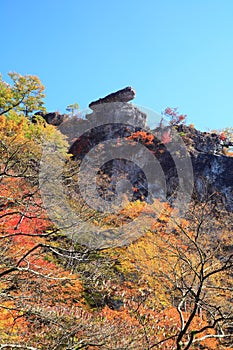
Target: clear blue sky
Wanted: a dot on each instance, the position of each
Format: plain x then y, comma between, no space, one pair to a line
176,53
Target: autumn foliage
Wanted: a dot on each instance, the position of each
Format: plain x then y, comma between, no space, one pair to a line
169,288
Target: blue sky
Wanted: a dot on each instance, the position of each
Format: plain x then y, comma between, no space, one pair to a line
176,53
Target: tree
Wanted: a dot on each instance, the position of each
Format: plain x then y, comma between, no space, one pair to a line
27,272
189,267
73,108
174,116
25,95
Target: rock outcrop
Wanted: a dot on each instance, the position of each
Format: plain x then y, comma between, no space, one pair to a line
113,118
53,118
213,176
203,142
124,95
108,121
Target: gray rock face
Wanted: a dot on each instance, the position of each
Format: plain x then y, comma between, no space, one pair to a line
124,95
203,142
108,121
214,174
113,118
53,118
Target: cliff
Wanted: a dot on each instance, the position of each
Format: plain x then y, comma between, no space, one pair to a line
160,163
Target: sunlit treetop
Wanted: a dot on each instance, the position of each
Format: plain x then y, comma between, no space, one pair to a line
24,95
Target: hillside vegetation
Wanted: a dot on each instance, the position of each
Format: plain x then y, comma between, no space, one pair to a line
170,287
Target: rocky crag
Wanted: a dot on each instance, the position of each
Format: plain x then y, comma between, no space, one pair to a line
114,118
